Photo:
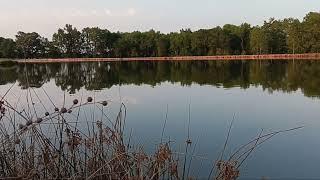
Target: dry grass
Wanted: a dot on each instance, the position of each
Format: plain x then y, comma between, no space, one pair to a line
28,151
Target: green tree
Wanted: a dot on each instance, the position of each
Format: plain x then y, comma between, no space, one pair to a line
97,42
244,35
295,33
123,46
148,43
231,34
214,40
258,41
30,45
276,36
163,44
8,48
180,43
68,40
311,26
199,42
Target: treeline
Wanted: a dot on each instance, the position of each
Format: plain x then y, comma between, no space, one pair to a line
273,37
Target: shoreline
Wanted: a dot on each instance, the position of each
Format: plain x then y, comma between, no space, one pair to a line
309,56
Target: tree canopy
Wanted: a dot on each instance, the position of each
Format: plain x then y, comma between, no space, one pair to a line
273,37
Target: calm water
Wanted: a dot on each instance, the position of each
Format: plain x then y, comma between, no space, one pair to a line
268,95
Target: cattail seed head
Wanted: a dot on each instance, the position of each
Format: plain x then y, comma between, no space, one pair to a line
2,110
104,103
89,99
29,122
63,110
39,120
75,101
21,126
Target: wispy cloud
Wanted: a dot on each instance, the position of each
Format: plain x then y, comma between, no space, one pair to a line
96,12
71,12
108,12
120,13
131,12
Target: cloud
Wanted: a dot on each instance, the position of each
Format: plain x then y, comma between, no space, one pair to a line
100,12
47,20
72,13
131,12
94,12
121,13
107,12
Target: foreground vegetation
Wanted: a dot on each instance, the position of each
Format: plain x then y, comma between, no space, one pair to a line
274,36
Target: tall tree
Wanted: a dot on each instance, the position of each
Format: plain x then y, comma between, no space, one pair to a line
30,45
258,41
199,42
214,40
311,26
231,33
276,36
163,44
295,35
244,35
8,48
97,42
180,43
68,40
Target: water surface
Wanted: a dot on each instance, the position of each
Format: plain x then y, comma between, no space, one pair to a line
268,95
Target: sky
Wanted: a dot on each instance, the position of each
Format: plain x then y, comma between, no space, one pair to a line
46,16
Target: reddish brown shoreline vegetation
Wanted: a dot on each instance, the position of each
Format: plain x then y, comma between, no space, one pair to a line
310,56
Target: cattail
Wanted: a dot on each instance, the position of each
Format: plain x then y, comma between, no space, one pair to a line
189,141
29,122
39,120
75,101
56,109
104,103
68,131
21,126
46,114
89,99
63,110
3,110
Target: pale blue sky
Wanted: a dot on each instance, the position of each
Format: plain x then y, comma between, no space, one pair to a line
45,16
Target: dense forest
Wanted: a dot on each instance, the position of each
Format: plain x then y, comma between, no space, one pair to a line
273,37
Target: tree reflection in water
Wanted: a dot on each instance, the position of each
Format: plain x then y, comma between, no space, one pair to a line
273,75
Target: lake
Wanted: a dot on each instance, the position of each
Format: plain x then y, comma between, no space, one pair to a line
269,95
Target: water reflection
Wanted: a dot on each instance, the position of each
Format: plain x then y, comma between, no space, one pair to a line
212,107
286,76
